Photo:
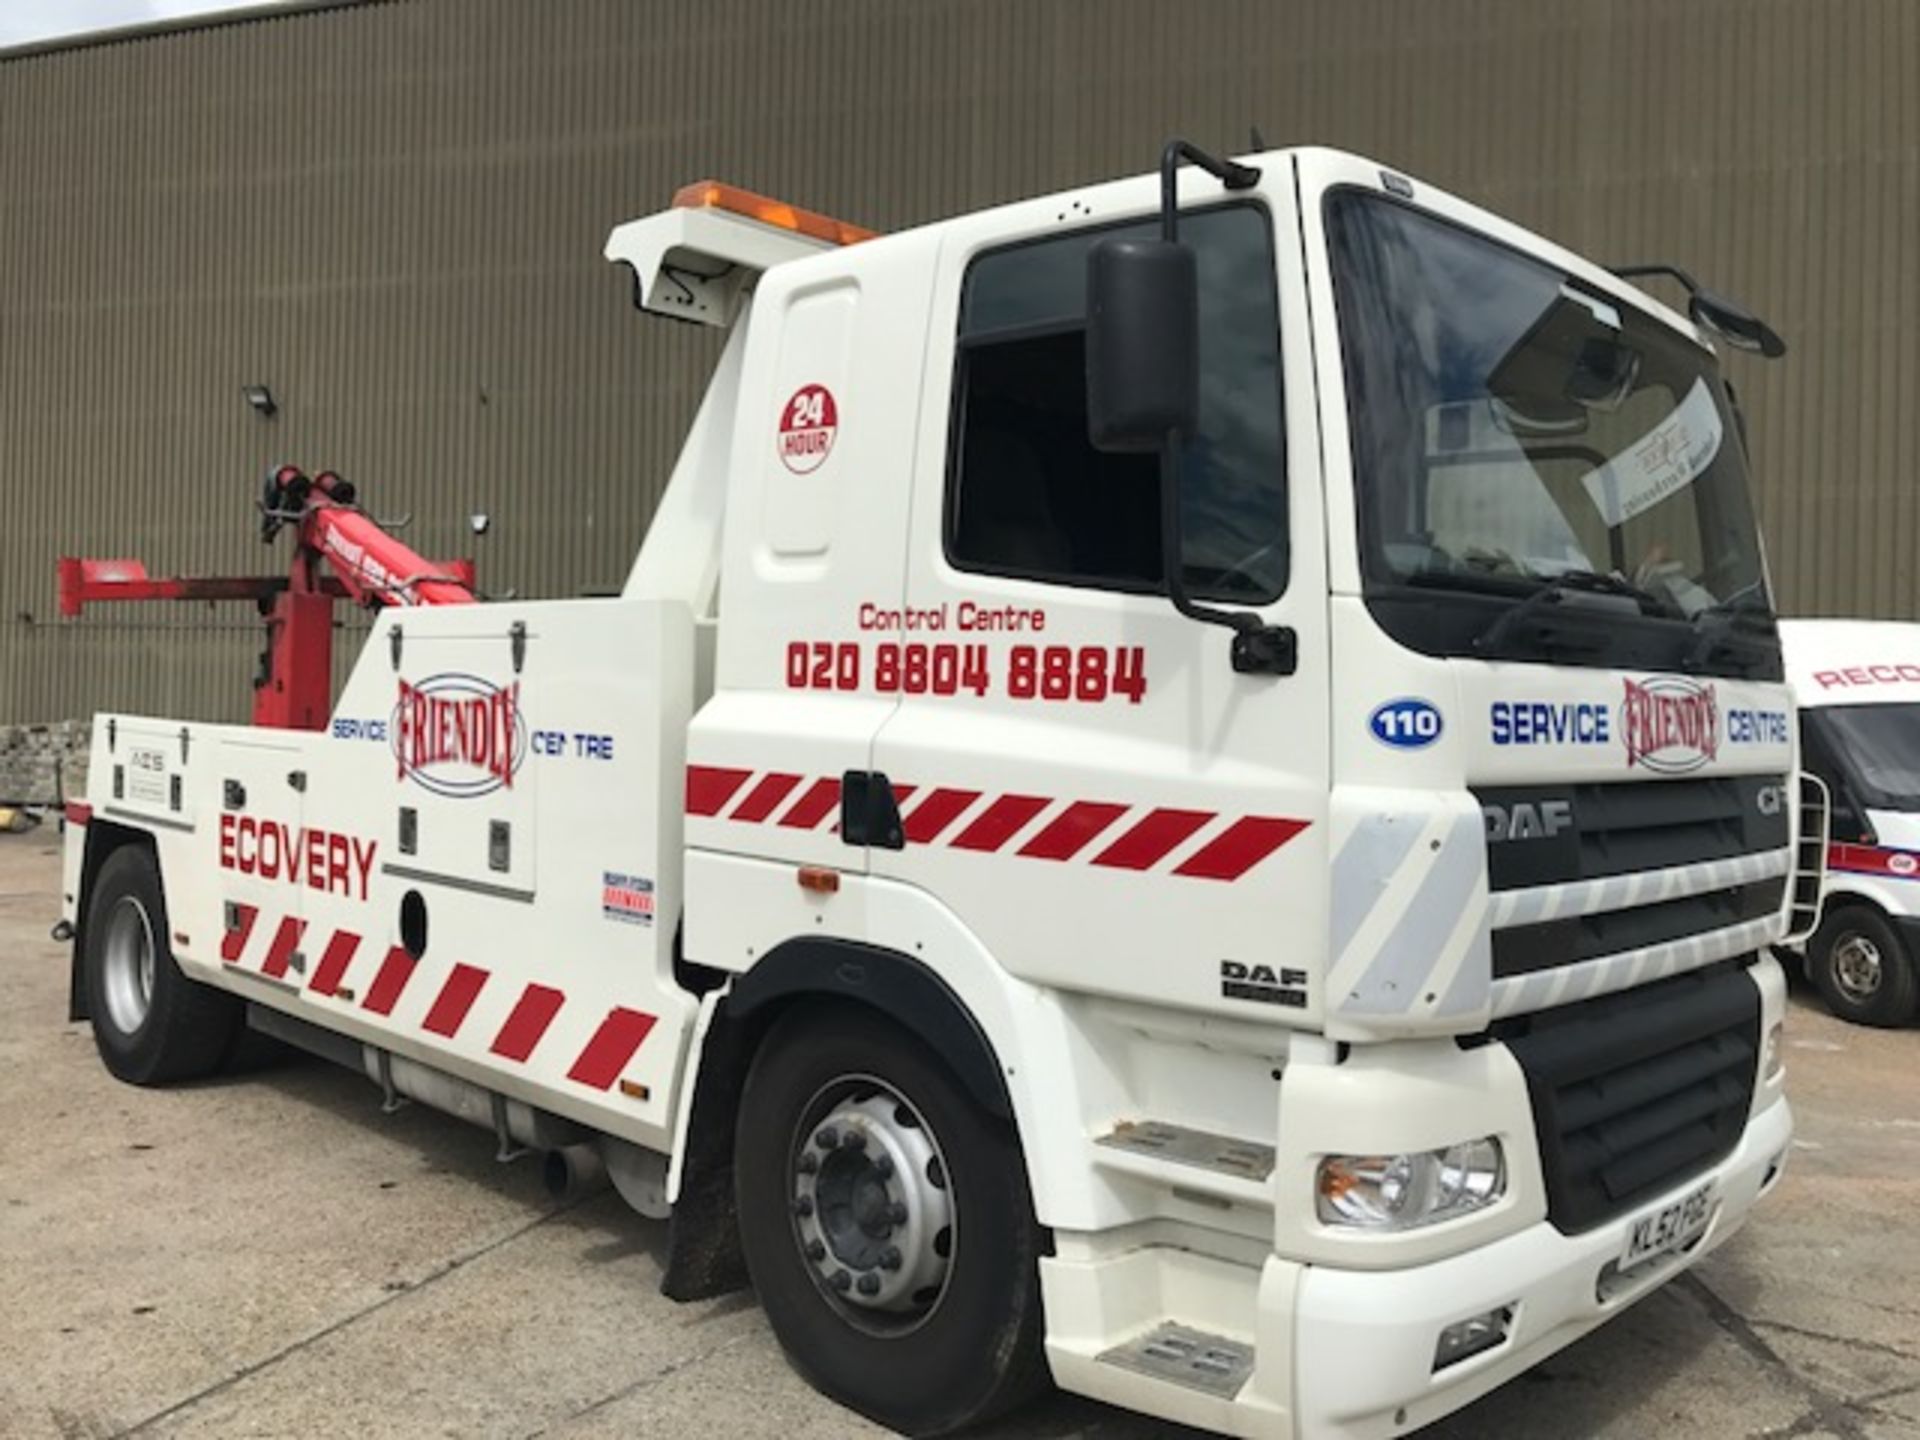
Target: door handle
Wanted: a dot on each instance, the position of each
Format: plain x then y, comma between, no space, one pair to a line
869,814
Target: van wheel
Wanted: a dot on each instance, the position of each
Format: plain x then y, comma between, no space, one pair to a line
151,1023
1862,969
887,1225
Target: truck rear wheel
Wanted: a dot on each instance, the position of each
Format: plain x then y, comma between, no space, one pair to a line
887,1225
151,1023
1862,969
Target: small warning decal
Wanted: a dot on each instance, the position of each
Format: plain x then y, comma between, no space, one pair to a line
626,897
808,424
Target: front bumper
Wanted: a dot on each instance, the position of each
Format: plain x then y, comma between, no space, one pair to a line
1365,1340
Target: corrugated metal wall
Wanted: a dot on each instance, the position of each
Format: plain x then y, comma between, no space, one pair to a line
393,213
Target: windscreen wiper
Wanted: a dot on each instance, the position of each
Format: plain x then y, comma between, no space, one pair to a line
1554,591
1719,627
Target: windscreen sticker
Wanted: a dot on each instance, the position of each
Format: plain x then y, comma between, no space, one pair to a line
1665,460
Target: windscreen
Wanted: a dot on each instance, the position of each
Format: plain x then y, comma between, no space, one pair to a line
1877,748
1511,426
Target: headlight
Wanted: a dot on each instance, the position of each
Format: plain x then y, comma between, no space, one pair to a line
1774,1057
1404,1192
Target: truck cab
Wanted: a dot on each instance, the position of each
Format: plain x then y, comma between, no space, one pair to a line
1857,683
1191,791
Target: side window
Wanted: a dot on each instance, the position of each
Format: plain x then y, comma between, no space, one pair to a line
1028,496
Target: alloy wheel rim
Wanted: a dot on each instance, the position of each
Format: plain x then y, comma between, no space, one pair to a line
1856,966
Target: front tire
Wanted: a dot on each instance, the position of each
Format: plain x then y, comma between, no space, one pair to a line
150,1022
1862,969
887,1225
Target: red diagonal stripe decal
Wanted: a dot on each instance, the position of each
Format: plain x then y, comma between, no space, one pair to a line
814,806
285,939
933,814
764,798
999,822
1240,847
456,997
528,1022
234,942
395,971
333,964
1070,832
1150,840
611,1047
710,786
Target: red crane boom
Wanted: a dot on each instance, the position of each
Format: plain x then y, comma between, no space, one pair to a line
368,566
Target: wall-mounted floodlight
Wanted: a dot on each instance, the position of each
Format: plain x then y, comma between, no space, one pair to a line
262,401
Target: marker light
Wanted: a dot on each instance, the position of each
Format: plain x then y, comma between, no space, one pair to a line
713,195
1404,1192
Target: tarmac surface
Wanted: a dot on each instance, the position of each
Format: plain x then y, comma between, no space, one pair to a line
269,1255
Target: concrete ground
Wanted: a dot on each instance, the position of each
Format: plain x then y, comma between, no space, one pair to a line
268,1255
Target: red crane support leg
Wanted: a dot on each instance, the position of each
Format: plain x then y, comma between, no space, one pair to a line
295,691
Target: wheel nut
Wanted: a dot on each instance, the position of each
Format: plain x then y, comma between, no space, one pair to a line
816,1251
869,1284
809,1162
883,1167
803,1207
856,1140
890,1258
897,1213
827,1138
841,1280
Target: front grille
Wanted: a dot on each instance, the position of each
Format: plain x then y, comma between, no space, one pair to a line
1523,949
1554,834
1635,1093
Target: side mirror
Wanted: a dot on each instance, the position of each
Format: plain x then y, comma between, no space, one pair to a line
1735,324
1143,344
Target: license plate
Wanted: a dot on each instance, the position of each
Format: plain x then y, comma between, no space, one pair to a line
1669,1227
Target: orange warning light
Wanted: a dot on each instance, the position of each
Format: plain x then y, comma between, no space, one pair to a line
713,195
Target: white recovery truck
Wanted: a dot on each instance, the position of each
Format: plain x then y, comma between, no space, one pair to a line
1290,1000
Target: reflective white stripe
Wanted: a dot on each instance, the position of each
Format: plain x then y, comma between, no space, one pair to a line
1507,908
1565,983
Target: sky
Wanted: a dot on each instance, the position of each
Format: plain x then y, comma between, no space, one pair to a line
25,21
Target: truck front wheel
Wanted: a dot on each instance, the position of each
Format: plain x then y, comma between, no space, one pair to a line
887,1225
151,1023
1862,969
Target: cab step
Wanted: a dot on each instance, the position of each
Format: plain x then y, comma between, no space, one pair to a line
1219,1167
1181,1355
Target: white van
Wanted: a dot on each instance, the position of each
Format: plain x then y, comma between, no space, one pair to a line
1858,686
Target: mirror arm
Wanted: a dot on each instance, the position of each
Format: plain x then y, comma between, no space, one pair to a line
1258,648
1230,173
1687,282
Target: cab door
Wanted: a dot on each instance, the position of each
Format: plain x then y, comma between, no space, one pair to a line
1084,777
816,519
